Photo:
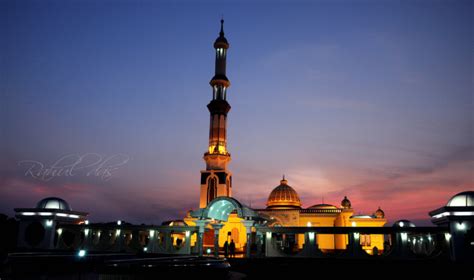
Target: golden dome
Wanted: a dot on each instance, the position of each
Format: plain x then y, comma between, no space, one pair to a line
346,203
283,196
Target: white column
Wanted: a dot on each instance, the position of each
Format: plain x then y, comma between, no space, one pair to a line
202,227
248,227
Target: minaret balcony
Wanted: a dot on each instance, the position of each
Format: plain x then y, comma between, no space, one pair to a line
220,79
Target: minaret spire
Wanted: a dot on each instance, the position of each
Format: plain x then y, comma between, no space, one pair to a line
221,34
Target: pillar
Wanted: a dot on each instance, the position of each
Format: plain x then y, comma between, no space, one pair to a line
354,243
152,238
216,228
201,228
88,239
309,248
187,242
259,243
248,228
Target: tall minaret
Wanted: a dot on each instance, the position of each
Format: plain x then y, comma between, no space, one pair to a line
216,180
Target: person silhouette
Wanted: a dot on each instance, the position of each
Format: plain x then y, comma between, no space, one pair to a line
226,248
232,249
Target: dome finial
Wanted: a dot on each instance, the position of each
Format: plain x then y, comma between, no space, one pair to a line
283,181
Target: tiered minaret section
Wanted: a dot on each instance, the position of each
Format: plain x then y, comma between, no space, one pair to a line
216,180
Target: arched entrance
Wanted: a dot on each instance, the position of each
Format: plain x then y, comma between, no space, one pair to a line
225,219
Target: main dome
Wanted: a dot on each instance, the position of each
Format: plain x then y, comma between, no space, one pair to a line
53,203
283,196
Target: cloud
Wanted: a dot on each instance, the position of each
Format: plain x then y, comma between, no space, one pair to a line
402,192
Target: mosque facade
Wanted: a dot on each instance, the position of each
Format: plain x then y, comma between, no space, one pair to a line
284,207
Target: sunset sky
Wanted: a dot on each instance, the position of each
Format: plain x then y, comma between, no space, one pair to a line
369,99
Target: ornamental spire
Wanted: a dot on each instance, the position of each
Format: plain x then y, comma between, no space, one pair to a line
222,28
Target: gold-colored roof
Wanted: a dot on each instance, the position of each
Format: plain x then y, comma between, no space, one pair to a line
283,196
322,206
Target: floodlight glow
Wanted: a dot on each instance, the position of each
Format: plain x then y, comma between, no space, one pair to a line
45,213
447,236
81,253
404,236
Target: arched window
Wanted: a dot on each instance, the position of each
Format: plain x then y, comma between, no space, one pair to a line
211,189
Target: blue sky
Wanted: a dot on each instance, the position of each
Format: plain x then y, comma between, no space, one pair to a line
369,99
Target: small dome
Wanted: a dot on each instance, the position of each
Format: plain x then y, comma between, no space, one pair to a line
322,206
379,214
221,43
463,199
403,223
346,203
283,196
53,203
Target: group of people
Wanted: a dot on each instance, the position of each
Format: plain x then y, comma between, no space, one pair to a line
229,249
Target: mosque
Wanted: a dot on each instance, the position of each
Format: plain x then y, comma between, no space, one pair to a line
284,207
283,228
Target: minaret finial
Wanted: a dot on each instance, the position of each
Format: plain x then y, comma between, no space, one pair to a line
222,27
